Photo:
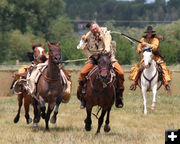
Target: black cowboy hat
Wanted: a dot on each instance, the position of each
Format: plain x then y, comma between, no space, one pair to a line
149,29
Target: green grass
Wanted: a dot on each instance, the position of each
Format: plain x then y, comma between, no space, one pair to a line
128,125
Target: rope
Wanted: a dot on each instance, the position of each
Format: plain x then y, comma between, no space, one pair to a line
96,115
67,61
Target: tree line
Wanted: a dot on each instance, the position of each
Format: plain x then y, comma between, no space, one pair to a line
23,23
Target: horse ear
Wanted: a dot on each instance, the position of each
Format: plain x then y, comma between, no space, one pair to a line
58,43
43,46
48,43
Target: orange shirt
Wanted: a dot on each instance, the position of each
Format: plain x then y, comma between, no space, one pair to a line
153,42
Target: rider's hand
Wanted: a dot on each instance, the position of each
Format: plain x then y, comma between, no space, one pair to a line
138,51
143,44
84,37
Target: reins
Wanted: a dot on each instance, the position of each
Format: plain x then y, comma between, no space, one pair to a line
150,79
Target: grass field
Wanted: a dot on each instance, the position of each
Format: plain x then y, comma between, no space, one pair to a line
128,125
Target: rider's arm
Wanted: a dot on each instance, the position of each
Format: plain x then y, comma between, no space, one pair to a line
83,42
139,47
107,41
105,36
154,44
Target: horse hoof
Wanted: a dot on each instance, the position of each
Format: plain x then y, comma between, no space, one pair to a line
43,115
152,107
119,106
145,113
107,128
88,127
29,120
35,125
16,119
53,120
96,133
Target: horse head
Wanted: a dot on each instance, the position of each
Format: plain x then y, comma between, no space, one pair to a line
148,56
54,52
104,66
39,53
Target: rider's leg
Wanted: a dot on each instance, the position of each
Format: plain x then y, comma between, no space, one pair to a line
135,81
82,80
136,74
119,91
166,76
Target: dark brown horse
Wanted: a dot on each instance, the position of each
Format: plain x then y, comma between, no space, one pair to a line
100,91
38,56
49,86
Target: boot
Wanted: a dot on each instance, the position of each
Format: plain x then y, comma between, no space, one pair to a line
167,87
119,98
133,86
119,92
166,84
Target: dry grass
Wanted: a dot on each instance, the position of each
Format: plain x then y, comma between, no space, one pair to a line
128,125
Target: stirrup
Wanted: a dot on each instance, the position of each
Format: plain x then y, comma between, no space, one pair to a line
132,87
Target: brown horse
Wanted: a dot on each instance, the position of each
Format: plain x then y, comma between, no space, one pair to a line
50,85
100,91
22,94
38,56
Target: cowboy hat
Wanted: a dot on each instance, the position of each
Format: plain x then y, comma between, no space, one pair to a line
149,29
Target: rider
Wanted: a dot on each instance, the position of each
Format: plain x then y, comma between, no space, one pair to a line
152,40
98,40
38,62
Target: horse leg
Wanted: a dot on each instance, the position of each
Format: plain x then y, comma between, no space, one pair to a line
100,120
27,102
20,98
58,102
36,112
154,90
144,99
107,127
50,109
42,107
88,120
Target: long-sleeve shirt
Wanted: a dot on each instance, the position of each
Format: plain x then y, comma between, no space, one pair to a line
92,46
153,42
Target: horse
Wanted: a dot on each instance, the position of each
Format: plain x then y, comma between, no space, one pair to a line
38,56
100,90
149,77
50,85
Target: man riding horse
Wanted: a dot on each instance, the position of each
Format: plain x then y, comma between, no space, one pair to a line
151,40
98,40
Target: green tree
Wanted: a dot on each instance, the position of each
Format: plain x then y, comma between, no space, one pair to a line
62,30
19,44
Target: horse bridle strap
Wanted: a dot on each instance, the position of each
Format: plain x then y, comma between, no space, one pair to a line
151,78
49,79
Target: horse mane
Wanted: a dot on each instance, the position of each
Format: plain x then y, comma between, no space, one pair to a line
34,46
30,56
53,43
103,54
